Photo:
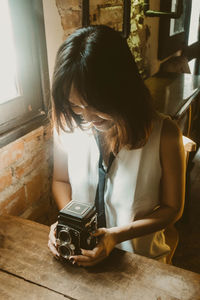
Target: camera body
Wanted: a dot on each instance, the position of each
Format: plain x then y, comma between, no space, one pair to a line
75,223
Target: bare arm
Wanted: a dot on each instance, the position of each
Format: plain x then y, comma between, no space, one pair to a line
61,187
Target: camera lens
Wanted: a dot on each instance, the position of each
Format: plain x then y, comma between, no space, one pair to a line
65,251
64,235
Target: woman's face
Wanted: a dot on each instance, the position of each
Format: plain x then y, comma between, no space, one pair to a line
99,120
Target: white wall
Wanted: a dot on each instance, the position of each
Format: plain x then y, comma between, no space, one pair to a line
53,30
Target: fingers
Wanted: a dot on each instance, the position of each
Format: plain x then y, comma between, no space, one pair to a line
87,258
94,252
91,263
94,256
99,231
53,249
52,240
52,233
86,261
90,257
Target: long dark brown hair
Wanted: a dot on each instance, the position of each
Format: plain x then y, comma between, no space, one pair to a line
99,63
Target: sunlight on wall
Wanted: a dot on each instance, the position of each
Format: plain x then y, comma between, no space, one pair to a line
8,74
194,23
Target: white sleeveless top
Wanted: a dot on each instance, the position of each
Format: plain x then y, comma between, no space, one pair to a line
131,188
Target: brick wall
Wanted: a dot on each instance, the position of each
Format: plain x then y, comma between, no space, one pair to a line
109,12
25,176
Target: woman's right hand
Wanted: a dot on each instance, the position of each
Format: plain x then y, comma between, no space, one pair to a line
52,240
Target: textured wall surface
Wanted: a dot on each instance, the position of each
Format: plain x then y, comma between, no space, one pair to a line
138,36
25,175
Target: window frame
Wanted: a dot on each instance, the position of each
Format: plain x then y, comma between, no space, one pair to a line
169,45
192,51
30,110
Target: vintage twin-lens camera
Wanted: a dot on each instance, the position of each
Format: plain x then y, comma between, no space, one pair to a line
75,223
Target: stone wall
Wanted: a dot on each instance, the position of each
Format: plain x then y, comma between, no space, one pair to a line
138,36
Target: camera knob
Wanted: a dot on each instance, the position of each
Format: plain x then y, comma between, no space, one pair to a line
58,242
72,247
89,240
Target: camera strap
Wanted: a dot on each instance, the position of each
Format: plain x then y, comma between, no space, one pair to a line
99,199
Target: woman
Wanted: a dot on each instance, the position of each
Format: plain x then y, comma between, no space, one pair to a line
99,95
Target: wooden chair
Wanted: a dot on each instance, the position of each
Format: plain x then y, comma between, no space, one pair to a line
171,233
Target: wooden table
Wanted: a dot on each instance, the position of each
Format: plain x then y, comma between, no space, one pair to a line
28,271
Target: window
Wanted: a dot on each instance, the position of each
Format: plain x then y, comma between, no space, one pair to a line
171,31
8,71
192,49
24,85
181,34
193,34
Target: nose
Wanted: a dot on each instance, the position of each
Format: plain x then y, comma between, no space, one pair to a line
88,114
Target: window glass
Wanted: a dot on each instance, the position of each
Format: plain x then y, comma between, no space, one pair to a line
24,85
194,22
8,70
192,64
177,25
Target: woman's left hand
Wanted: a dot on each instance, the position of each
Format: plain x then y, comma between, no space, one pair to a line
107,242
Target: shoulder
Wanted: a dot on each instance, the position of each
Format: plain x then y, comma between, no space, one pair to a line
166,129
170,132
169,128
171,142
